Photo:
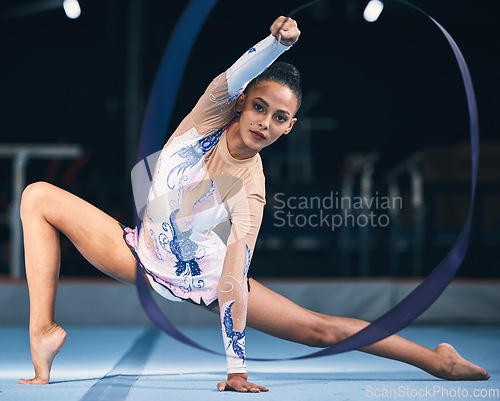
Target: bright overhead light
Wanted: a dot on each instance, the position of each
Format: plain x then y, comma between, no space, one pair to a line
72,8
373,10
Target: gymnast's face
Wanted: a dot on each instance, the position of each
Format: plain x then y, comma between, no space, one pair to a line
267,112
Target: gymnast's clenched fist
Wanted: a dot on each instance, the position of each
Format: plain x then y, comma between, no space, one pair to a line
285,30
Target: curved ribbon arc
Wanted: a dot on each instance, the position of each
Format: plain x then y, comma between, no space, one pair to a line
412,306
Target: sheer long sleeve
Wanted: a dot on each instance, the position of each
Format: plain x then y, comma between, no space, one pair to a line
246,216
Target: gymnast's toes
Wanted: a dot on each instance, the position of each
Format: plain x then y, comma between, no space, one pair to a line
35,380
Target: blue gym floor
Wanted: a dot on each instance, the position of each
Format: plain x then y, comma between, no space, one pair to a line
140,363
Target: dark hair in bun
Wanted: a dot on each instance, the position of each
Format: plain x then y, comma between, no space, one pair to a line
283,73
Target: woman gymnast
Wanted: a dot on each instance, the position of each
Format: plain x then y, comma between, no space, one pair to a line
208,172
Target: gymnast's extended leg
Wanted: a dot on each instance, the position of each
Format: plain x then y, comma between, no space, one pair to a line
45,210
273,314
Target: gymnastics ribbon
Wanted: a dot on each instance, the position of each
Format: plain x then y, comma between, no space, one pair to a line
158,113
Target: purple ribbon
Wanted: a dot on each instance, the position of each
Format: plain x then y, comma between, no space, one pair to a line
158,113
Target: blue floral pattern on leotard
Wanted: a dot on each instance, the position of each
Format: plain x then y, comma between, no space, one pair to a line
191,155
181,246
236,338
248,258
184,249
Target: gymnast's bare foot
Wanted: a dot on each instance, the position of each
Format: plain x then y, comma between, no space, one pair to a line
44,347
456,367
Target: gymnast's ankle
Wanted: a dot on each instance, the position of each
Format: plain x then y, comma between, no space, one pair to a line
42,330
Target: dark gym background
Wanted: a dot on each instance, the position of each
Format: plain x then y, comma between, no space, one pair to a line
391,87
